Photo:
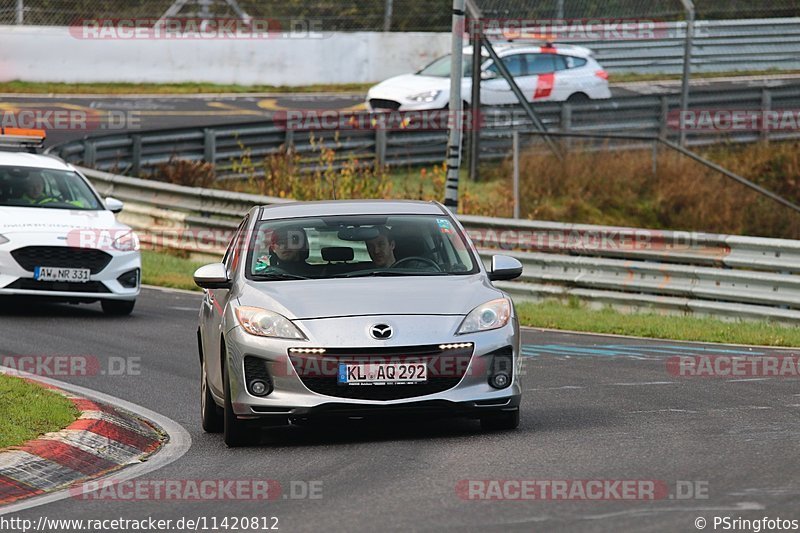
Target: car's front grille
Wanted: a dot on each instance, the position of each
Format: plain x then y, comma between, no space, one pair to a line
28,284
379,103
319,372
31,257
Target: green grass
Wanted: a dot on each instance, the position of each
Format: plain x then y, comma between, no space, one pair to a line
167,270
576,317
30,410
28,87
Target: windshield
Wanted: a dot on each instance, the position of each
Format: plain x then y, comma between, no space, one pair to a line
45,188
358,246
441,67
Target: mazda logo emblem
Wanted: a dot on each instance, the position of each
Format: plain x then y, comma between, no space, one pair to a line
381,331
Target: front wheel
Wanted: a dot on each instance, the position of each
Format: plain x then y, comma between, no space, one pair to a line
235,431
506,420
118,307
211,413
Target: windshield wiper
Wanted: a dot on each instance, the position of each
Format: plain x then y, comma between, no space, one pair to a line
388,273
276,277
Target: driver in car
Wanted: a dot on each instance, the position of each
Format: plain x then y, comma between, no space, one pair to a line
381,248
34,191
288,251
35,195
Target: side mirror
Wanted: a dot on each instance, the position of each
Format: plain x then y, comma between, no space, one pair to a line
114,205
504,268
213,276
488,75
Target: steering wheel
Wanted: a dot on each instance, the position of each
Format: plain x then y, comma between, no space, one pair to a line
418,259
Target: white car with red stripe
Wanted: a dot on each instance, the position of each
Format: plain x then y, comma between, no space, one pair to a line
550,73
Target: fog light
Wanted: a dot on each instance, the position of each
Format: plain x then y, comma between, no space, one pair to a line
500,380
258,387
130,279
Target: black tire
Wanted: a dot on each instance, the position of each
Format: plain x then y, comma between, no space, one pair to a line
212,414
501,421
236,432
578,98
118,307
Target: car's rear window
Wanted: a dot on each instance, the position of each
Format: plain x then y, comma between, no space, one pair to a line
355,246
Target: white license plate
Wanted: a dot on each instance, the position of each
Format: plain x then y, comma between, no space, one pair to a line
77,275
382,373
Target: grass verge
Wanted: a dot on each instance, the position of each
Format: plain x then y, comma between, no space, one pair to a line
576,317
30,410
29,87
171,271
167,270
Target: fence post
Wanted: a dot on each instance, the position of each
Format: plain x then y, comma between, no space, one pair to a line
209,146
766,105
89,153
387,16
566,122
515,157
20,12
663,118
136,154
380,148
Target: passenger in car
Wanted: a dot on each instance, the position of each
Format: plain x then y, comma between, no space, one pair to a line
288,251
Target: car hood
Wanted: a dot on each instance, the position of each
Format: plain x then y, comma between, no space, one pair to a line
409,84
45,220
407,295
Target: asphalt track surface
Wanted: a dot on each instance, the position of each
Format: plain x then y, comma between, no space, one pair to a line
115,114
594,407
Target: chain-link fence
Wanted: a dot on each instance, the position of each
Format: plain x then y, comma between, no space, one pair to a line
382,15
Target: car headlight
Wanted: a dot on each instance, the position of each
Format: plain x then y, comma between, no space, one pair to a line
427,96
263,323
127,242
491,315
3,239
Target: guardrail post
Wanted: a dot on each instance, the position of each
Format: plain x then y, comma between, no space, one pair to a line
663,118
89,153
380,148
566,122
766,105
210,146
136,154
288,144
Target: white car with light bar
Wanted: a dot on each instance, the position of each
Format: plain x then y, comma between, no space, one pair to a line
549,73
58,239
355,309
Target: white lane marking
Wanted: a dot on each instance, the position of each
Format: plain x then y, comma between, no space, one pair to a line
746,379
192,309
565,387
179,443
643,383
740,506
665,411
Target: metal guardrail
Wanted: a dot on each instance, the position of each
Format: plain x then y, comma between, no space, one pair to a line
664,271
136,153
719,46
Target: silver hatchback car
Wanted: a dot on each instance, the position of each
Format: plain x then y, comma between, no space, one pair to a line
355,309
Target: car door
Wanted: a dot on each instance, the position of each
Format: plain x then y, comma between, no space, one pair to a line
541,83
497,91
214,303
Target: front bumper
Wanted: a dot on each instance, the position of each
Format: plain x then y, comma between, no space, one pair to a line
16,280
292,397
